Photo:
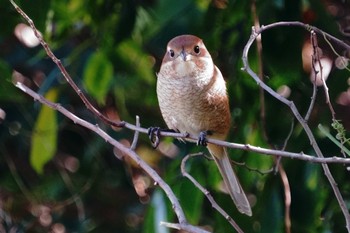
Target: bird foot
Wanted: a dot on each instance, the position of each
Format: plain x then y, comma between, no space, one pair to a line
154,135
202,138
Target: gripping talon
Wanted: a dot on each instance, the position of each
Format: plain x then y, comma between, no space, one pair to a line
154,135
202,138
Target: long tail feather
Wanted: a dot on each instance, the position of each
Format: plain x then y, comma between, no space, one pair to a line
234,187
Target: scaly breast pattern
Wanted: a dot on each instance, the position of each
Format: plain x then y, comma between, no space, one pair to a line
193,103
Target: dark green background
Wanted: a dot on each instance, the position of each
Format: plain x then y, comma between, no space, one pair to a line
113,49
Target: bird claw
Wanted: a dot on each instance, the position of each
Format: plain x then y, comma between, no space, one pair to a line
202,138
154,135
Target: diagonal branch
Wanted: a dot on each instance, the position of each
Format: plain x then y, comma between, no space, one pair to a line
207,193
127,151
64,71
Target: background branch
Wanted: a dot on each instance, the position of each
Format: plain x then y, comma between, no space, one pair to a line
214,204
292,106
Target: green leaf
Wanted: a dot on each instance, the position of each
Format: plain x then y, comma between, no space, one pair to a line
98,75
44,137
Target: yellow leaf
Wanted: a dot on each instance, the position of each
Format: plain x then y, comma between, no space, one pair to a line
44,137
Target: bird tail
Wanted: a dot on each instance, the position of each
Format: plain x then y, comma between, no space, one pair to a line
231,181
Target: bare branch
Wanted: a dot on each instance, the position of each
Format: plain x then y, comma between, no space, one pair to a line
307,27
187,228
281,153
314,89
316,59
292,106
247,147
136,135
287,198
76,198
207,193
260,71
64,71
127,151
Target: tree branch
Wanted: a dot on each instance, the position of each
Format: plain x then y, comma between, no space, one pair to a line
292,106
207,193
127,151
64,71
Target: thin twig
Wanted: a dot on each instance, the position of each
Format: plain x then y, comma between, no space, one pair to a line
260,71
64,71
71,199
136,135
292,106
76,198
285,143
314,85
287,198
286,187
316,58
206,192
336,53
17,178
306,27
187,228
291,155
251,169
248,147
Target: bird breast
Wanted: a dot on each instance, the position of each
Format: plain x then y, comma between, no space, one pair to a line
193,101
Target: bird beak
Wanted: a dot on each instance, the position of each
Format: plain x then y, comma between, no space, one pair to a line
183,55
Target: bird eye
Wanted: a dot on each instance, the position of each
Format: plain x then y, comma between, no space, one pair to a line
171,53
196,49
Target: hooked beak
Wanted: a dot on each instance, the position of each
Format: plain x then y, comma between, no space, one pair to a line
183,55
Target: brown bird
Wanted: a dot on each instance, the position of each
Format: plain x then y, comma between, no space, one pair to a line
193,99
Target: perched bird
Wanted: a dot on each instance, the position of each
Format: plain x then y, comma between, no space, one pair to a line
193,99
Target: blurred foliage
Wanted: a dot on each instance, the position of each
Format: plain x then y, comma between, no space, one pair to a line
56,175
